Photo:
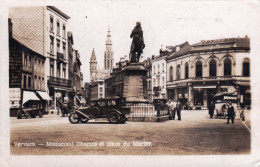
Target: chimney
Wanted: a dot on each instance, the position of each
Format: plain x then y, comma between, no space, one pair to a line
246,36
152,57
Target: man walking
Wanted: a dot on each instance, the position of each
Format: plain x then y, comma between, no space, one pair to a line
178,109
231,113
211,108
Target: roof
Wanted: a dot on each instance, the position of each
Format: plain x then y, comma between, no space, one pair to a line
93,57
59,12
212,45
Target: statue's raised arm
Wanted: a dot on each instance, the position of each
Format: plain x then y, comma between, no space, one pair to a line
137,45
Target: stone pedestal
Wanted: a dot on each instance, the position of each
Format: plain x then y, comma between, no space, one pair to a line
135,83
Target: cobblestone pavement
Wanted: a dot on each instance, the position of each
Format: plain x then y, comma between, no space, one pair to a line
196,133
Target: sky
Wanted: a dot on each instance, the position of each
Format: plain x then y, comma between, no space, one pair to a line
164,23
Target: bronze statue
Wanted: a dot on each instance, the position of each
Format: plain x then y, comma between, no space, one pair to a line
137,43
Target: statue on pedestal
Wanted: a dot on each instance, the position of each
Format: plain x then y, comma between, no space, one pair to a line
137,45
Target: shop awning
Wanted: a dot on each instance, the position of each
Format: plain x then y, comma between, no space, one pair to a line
44,95
28,95
205,87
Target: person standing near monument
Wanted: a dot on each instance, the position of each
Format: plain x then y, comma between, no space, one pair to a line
137,43
231,113
211,108
171,109
178,109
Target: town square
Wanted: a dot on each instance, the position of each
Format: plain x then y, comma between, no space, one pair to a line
131,79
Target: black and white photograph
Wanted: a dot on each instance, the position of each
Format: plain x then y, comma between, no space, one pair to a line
106,83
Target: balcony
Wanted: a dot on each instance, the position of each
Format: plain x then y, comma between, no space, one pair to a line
157,89
55,81
60,57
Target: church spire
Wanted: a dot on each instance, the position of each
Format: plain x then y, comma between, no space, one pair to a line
93,56
109,55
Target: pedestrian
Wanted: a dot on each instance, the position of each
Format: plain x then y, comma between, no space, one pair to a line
211,108
170,109
174,104
178,109
231,113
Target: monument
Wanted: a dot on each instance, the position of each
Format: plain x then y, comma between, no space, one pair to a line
135,72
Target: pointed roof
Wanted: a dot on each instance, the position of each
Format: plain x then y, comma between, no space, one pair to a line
108,42
93,57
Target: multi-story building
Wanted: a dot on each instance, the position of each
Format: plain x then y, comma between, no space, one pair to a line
159,73
148,66
195,73
26,76
43,30
97,90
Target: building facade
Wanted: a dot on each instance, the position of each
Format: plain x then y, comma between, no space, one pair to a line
148,66
43,30
158,75
196,73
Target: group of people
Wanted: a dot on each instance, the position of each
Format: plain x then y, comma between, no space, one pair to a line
174,107
229,109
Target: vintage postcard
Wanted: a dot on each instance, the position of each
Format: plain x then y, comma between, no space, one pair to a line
156,83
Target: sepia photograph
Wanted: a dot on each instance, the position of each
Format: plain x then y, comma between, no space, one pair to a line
117,79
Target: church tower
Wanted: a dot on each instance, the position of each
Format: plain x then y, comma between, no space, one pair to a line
109,55
93,66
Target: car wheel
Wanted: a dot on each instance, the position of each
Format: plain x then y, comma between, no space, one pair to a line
123,120
113,117
19,114
27,115
74,118
40,114
84,120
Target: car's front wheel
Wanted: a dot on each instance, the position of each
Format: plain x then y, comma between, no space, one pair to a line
73,118
19,114
113,117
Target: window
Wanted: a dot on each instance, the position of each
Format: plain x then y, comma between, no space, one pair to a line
35,82
158,84
154,82
42,83
58,70
246,68
29,63
24,81
171,74
64,49
51,45
158,69
58,27
153,69
198,69
51,23
25,59
186,70
58,46
101,89
227,67
64,72
64,31
162,82
51,70
162,67
178,72
39,64
29,82
39,82
212,68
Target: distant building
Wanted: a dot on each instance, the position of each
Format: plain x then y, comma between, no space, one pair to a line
196,73
109,54
101,74
158,65
148,65
97,90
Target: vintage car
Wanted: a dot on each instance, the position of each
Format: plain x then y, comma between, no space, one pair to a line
114,109
221,100
30,112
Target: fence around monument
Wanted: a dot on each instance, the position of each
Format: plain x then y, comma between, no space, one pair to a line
145,110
